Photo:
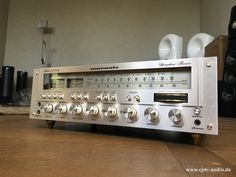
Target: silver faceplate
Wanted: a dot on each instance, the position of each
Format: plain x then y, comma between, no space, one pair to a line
174,95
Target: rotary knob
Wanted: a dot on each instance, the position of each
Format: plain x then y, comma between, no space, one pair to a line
110,112
129,98
151,114
78,97
92,110
48,108
105,98
60,96
76,109
43,96
130,113
49,96
73,96
85,96
137,98
98,97
55,96
197,111
113,98
175,115
61,108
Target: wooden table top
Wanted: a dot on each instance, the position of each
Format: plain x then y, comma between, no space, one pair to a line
29,149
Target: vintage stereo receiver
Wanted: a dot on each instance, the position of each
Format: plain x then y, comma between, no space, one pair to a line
174,95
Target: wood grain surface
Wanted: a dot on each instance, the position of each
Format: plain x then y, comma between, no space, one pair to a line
14,110
28,148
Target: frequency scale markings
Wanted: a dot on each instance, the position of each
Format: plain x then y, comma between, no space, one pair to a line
141,80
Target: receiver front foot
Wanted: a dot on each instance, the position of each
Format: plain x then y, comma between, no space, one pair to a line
50,123
196,139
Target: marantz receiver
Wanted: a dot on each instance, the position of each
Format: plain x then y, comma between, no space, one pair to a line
174,95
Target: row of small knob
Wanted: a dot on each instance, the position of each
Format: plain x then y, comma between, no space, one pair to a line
106,97
62,108
85,96
50,96
76,96
130,112
77,109
136,98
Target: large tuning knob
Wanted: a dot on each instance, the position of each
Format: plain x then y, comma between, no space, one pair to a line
175,115
47,108
61,108
130,113
151,114
110,112
92,110
76,109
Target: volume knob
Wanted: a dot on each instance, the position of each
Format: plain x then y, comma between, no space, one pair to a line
151,114
175,115
105,97
73,96
110,112
61,108
48,108
92,110
76,109
130,113
113,98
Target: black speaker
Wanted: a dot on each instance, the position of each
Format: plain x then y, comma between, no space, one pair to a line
21,80
227,87
226,99
7,84
230,59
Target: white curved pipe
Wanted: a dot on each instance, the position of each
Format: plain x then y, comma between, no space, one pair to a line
170,47
197,44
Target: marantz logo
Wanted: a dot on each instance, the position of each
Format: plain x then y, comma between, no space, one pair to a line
47,70
104,68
